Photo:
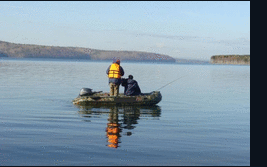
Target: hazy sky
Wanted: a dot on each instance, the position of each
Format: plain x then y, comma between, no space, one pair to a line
181,29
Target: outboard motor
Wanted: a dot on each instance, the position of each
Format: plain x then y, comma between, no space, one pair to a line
86,92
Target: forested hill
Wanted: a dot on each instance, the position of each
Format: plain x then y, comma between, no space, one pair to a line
13,50
231,59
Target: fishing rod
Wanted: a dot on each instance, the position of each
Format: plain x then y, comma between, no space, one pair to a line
170,82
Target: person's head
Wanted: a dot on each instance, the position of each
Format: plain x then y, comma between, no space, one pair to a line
130,77
116,61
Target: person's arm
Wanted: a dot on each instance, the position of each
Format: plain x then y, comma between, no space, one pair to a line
122,71
138,88
108,69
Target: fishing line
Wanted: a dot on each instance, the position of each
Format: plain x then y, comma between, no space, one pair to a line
170,82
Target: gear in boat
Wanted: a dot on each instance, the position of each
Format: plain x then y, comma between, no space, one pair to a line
89,97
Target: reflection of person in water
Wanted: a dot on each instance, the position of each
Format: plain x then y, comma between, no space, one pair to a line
113,128
130,116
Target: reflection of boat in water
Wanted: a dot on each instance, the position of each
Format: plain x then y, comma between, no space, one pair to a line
147,111
87,97
129,114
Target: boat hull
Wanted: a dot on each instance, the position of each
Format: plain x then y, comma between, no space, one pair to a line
99,99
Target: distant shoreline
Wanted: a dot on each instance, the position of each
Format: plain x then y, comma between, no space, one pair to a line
13,50
78,60
183,62
28,51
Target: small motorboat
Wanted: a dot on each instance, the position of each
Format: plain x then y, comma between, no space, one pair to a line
89,97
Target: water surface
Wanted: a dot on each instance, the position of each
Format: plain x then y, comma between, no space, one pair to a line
203,118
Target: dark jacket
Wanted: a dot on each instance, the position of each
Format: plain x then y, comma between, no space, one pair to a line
115,80
131,87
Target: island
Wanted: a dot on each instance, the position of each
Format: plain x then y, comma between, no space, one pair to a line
230,59
14,50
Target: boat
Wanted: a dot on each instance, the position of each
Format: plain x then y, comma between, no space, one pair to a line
98,98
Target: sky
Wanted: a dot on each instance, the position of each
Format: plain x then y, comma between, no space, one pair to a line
180,29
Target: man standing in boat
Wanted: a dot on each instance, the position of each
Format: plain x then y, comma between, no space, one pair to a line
114,72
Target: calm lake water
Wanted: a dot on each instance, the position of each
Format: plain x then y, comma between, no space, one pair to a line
203,118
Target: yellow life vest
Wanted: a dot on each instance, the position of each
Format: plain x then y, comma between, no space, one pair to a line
114,71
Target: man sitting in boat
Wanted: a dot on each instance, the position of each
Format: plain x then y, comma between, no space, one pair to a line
131,87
